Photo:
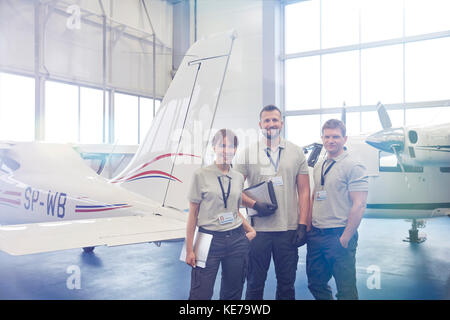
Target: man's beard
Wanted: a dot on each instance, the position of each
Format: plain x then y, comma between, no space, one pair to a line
271,134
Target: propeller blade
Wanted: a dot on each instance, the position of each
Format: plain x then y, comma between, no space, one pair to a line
344,114
394,148
383,116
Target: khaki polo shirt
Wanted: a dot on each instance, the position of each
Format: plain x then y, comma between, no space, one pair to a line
346,175
205,190
256,166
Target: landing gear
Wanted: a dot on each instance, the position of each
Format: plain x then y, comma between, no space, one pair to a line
414,236
88,249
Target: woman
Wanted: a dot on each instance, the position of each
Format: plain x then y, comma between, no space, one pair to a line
215,196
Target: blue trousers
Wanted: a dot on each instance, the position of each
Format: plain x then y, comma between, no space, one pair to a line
229,248
327,258
285,257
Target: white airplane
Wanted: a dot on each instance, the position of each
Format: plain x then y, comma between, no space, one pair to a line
51,200
408,170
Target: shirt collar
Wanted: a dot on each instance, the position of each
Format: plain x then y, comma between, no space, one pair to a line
220,173
341,156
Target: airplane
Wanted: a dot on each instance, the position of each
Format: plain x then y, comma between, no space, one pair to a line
408,169
50,199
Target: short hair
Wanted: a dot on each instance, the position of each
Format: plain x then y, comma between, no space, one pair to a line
222,134
269,107
334,124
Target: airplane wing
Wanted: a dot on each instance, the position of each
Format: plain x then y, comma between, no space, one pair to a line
51,236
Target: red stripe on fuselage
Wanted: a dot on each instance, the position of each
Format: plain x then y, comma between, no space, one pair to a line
16,202
154,160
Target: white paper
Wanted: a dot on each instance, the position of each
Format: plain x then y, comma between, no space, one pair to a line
202,242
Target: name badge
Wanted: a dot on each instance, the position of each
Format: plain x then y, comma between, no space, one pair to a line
321,195
226,217
277,181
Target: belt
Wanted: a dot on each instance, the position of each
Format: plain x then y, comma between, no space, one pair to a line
238,230
328,230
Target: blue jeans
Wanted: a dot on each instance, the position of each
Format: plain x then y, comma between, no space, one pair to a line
229,248
285,257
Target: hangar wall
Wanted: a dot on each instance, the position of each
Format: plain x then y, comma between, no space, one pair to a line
37,40
67,41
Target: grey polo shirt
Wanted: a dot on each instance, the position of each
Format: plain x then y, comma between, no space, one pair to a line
205,190
345,176
256,166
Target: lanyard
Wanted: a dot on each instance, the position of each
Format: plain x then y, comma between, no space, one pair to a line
227,195
275,165
322,174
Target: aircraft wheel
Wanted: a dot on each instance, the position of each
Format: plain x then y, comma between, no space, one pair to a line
88,249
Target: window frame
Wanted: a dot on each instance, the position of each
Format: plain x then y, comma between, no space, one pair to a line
324,110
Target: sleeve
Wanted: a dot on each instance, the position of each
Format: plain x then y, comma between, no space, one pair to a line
303,164
195,192
358,179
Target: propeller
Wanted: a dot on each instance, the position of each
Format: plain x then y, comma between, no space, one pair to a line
391,140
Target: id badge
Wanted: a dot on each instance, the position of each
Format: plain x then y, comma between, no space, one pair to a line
321,195
226,217
277,181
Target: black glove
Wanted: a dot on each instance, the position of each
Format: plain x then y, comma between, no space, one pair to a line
264,208
299,236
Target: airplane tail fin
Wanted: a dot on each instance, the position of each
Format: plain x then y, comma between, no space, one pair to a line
177,141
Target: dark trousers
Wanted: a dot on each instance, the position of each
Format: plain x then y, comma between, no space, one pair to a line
327,258
229,248
285,257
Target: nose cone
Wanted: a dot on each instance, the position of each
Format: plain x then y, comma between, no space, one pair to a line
385,140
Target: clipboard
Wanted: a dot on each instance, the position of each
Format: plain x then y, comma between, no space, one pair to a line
261,192
202,242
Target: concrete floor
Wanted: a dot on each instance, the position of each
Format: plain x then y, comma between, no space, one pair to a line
145,271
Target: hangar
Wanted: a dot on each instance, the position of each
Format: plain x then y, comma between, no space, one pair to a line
104,83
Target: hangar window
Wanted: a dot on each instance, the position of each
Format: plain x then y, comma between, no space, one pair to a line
427,115
303,129
146,115
74,113
92,115
133,116
337,52
126,119
61,112
16,107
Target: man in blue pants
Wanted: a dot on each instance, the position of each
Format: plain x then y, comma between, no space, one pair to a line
338,205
